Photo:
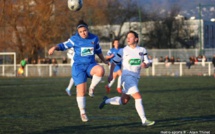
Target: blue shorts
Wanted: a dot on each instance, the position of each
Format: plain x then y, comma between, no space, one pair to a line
117,68
81,72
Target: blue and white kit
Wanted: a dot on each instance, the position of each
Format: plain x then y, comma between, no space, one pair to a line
84,57
114,51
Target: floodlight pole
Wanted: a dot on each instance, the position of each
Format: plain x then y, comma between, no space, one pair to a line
140,20
200,28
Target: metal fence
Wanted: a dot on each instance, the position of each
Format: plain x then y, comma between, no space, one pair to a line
157,69
182,54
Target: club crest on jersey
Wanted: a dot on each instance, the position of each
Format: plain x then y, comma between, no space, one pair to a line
93,43
141,53
86,51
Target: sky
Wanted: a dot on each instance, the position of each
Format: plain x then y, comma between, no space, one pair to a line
188,7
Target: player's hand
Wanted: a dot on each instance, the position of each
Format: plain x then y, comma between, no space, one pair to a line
144,65
112,55
51,50
106,62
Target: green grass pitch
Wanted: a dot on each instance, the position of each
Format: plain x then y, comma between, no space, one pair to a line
179,105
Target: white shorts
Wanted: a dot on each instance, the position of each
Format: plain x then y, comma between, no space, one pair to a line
130,85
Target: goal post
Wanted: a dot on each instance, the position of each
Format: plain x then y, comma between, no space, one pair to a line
8,64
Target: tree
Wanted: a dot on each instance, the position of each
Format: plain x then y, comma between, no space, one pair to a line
29,26
118,13
165,30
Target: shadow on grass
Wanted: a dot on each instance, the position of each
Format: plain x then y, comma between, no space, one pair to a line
88,129
184,120
180,90
32,96
114,128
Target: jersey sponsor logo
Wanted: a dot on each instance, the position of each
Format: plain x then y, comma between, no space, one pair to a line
86,51
134,62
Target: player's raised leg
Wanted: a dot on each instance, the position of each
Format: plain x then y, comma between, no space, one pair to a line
97,73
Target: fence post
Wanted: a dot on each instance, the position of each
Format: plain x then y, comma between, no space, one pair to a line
180,69
153,69
3,73
26,71
50,70
209,69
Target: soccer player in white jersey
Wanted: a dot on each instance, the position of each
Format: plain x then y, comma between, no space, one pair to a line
133,58
70,54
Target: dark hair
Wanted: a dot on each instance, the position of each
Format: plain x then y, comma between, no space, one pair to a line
116,39
134,33
81,23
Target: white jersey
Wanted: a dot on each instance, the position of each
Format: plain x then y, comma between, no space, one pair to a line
131,60
70,54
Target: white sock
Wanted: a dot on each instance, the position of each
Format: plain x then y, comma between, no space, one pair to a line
114,101
70,83
119,82
140,109
95,81
111,83
81,104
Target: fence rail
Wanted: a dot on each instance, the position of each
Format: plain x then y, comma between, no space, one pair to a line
157,69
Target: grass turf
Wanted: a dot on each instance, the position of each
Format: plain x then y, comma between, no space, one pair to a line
41,106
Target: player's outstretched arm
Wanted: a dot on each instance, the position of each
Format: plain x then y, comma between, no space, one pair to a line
51,50
108,57
110,77
102,58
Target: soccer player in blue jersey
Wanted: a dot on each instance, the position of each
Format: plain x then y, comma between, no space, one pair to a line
117,70
85,45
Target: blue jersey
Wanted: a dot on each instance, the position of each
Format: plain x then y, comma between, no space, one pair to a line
85,49
112,51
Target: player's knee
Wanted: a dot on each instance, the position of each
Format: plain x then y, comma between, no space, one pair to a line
125,100
80,93
100,71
